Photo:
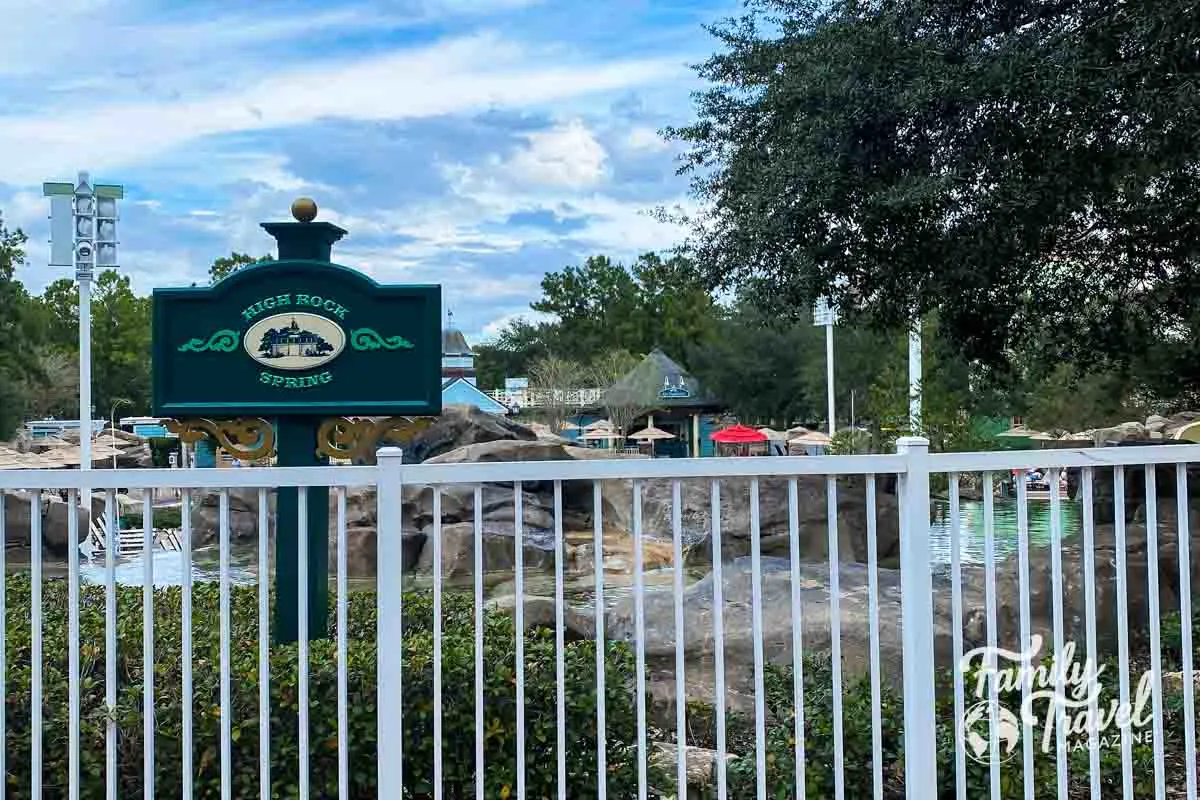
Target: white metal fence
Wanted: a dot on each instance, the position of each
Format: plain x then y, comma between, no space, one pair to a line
938,604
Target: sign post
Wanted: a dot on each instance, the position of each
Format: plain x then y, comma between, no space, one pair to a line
298,340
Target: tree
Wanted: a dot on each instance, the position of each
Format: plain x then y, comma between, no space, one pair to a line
1020,168
225,266
602,305
596,306
753,362
121,343
120,336
518,346
53,388
553,378
58,310
15,350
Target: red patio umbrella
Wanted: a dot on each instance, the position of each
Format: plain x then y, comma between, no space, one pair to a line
738,434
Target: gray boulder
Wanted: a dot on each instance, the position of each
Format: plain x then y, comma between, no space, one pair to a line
459,426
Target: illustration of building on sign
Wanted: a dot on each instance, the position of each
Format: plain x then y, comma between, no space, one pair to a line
292,341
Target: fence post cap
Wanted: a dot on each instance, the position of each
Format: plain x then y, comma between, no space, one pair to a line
390,454
906,443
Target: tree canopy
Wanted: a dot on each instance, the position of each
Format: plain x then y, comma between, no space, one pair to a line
1027,170
224,266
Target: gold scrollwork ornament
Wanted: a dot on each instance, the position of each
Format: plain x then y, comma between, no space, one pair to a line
247,438
356,439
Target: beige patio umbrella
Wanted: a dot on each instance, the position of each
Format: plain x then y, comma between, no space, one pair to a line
1020,432
51,442
651,434
597,435
771,433
111,442
599,425
811,438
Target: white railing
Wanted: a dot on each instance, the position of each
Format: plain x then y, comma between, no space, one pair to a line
539,398
654,500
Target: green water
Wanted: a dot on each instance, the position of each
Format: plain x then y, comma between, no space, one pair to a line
973,535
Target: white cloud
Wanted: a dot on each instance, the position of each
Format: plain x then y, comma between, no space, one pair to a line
493,329
453,76
641,137
567,155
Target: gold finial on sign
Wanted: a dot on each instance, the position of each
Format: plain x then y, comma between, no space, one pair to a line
304,209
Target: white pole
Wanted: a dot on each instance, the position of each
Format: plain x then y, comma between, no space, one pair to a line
85,372
829,372
914,378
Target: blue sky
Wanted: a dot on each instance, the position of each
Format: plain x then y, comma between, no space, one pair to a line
472,143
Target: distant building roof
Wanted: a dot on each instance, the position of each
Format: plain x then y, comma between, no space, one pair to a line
461,392
455,344
671,384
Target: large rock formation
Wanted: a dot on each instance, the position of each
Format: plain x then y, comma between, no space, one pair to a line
55,514
459,426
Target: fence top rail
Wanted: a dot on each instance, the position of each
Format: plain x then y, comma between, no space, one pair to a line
653,469
591,469
486,472
1000,461
196,478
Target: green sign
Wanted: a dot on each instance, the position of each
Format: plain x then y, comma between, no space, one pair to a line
287,338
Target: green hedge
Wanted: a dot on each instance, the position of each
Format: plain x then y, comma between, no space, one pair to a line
458,700
458,705
857,744
164,517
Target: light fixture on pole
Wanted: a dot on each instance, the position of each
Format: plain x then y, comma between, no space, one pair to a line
83,234
825,314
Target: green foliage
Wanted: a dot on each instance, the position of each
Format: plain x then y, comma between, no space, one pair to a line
1070,399
602,306
169,517
1026,170
458,702
14,347
518,346
225,266
947,397
819,757
161,448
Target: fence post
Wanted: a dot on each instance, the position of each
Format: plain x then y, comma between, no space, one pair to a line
389,599
916,598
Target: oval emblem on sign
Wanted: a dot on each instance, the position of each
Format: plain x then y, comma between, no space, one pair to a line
294,341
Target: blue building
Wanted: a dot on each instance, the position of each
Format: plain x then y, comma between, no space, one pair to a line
458,374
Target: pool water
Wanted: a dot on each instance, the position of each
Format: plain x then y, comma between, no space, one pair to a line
973,535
